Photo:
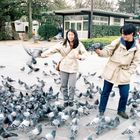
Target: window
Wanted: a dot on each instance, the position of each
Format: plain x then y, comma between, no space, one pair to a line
79,26
67,25
85,25
100,18
85,17
117,20
72,25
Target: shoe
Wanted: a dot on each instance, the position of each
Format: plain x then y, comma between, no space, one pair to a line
101,113
66,104
71,104
123,115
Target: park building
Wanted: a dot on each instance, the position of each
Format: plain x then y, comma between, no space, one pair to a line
80,19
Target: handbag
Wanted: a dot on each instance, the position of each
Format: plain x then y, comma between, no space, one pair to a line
58,64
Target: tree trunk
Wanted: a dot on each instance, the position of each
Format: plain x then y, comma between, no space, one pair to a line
15,35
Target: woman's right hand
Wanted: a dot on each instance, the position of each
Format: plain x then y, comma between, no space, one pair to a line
42,55
98,51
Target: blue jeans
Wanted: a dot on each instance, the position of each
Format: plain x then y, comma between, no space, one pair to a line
124,92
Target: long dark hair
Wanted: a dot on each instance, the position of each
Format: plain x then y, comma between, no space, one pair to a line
75,41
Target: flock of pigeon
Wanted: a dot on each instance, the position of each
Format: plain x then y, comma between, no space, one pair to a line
35,108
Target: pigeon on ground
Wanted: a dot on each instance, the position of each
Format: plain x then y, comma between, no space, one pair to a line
130,129
5,134
51,135
1,66
36,131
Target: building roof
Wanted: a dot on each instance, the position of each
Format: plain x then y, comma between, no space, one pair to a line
83,11
137,21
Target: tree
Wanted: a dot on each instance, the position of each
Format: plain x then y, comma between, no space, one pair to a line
128,6
97,4
10,10
104,5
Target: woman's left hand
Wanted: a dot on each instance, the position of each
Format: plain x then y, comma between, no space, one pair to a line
80,57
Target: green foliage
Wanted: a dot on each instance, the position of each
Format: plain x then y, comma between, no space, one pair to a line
105,30
10,10
47,30
104,40
5,35
127,6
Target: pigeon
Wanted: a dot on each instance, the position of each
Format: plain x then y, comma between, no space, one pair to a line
96,102
34,54
57,80
45,73
46,64
1,66
95,46
112,93
32,68
22,69
36,131
79,75
5,134
74,128
130,129
50,136
90,137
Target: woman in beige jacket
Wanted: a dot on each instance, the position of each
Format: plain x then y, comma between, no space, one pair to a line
124,54
72,50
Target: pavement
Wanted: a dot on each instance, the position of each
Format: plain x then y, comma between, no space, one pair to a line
14,57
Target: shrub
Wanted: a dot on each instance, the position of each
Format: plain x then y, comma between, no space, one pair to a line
47,31
105,30
104,40
5,36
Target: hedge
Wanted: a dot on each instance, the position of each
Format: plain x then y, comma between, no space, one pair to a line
104,40
105,30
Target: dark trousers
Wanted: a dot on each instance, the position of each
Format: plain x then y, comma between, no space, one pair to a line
124,92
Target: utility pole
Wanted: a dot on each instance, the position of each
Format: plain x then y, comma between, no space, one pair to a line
134,6
30,18
91,19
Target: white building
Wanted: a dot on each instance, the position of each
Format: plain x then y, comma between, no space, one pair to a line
80,19
23,26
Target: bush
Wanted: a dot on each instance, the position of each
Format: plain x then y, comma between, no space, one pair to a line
47,31
104,40
5,36
105,30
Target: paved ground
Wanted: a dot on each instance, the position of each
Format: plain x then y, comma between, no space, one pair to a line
14,57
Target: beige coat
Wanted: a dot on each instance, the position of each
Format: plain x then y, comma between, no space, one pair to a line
122,64
70,62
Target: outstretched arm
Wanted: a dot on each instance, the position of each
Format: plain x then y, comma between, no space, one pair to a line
52,50
108,50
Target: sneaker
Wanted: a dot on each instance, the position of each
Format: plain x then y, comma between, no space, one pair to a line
123,115
101,113
71,104
66,104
